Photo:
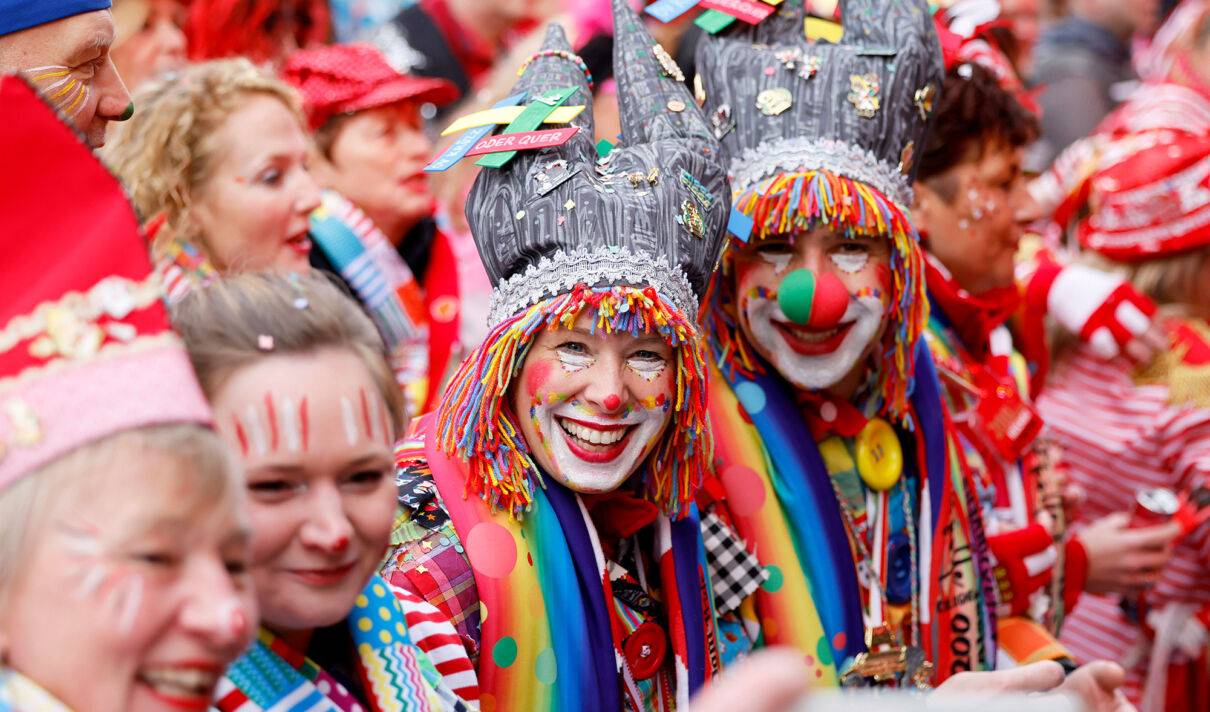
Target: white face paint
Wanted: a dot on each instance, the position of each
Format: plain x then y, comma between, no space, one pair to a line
815,372
566,427
574,362
647,369
850,262
779,260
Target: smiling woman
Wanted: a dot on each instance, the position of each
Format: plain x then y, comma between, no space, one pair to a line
305,399
123,536
218,153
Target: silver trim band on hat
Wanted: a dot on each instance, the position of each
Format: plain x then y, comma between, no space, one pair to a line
802,153
560,273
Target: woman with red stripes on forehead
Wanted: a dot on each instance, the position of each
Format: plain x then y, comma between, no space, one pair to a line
305,399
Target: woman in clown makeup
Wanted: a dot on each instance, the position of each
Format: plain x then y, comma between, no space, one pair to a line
548,504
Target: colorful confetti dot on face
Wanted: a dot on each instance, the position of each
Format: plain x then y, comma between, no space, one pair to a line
751,397
745,490
504,652
491,549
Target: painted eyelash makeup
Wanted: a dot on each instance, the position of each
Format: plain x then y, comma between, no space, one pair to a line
850,262
780,261
68,94
647,369
572,362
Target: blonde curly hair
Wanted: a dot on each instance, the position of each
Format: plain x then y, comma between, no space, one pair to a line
164,153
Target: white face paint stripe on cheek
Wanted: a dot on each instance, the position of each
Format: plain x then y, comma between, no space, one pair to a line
128,600
349,418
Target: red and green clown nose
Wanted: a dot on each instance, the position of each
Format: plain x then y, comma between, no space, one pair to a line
814,302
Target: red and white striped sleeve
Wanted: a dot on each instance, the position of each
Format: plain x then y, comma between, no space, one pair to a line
432,632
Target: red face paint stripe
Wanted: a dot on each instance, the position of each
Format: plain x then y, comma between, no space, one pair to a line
272,414
365,413
306,426
385,416
240,435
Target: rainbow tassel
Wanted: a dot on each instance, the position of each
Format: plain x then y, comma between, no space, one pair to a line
791,202
475,423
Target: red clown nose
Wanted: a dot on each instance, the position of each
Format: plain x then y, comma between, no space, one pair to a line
815,302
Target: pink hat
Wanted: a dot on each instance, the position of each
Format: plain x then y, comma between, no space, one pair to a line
339,79
86,350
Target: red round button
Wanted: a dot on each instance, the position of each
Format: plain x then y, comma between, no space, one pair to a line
645,650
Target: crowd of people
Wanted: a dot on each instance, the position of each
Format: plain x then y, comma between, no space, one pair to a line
603,355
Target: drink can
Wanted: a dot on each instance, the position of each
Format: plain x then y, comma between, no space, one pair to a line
1153,506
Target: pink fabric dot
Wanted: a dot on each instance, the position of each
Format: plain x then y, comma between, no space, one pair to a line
745,490
828,412
491,549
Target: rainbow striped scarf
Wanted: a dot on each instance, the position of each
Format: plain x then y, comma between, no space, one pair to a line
779,492
549,640
395,674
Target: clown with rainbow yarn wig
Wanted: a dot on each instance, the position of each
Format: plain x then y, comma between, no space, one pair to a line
835,455
548,504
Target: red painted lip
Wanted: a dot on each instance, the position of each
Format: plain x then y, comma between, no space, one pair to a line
189,703
812,348
596,457
323,577
300,244
597,426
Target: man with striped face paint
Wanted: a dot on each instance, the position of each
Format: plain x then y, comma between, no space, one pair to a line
811,304
62,48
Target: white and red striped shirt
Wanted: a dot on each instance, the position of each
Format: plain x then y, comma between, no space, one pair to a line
432,632
1120,437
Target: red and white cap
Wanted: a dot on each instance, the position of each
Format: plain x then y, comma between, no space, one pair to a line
86,350
338,79
1156,202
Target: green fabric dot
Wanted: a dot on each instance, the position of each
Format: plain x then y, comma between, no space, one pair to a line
546,668
823,651
504,652
775,580
796,294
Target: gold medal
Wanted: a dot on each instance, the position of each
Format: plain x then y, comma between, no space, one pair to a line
879,455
